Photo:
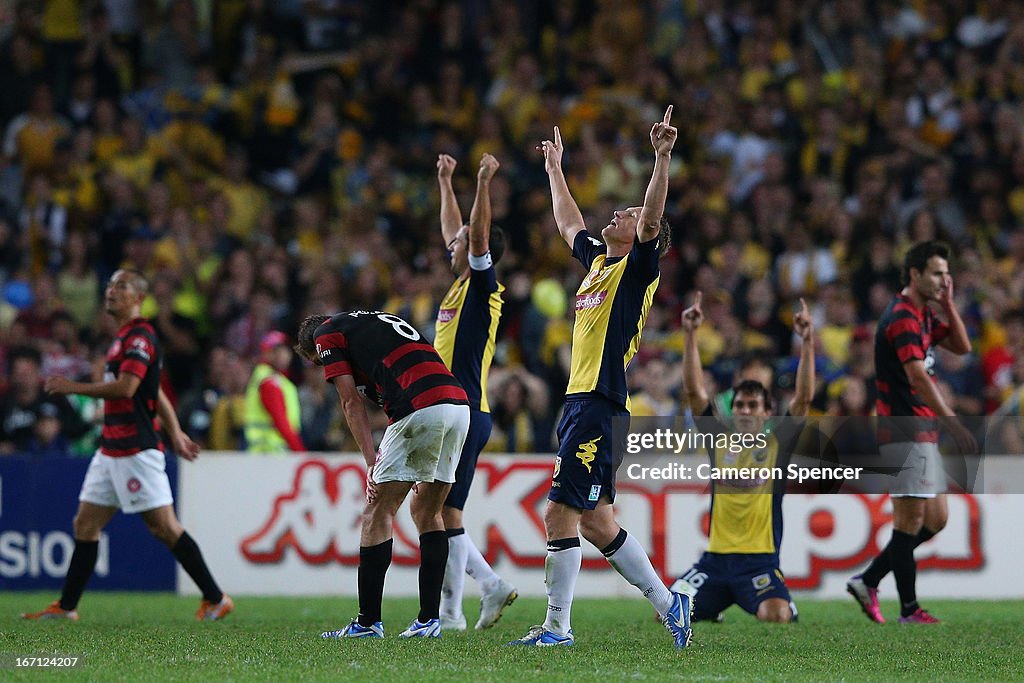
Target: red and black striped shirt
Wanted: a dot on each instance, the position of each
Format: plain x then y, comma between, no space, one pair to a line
391,363
905,333
129,424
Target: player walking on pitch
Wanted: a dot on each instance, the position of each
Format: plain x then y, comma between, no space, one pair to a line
383,358
904,355
611,307
127,471
467,323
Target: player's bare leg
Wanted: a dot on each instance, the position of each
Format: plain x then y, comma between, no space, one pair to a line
426,514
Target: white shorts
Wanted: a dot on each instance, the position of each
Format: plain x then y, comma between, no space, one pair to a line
134,483
922,476
423,446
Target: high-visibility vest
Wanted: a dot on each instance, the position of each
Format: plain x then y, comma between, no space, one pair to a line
261,436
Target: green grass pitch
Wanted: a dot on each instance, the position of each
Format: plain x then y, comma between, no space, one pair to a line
153,637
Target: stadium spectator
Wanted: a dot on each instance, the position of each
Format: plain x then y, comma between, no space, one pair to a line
24,403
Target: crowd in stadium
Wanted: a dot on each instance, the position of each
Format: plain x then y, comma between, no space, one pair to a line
260,161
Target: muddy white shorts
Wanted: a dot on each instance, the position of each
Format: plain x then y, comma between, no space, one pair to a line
922,474
134,483
423,446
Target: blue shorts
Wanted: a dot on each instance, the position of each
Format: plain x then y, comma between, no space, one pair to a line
479,433
720,580
587,459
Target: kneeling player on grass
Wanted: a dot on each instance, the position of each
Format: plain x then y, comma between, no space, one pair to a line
741,564
383,358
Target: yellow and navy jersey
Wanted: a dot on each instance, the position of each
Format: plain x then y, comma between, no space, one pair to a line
467,325
746,514
611,308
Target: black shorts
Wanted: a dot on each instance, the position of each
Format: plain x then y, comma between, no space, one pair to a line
479,433
587,458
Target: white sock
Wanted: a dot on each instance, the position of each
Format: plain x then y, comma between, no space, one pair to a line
633,564
561,568
477,567
454,575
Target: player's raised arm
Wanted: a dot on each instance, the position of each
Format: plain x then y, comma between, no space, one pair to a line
803,325
480,215
567,215
451,217
693,373
663,138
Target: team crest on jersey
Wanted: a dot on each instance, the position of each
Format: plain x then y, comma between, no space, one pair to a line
585,301
594,277
760,455
446,315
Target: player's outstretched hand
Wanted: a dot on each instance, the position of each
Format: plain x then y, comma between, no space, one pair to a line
663,134
185,447
445,165
803,323
693,316
488,167
552,152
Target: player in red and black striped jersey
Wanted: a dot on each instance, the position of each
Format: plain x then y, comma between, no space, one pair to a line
127,471
381,357
909,406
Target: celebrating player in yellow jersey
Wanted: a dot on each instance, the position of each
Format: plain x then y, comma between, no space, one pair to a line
611,307
467,323
741,564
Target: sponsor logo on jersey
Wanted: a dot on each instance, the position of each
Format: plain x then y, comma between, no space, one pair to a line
585,301
761,581
446,315
587,452
595,493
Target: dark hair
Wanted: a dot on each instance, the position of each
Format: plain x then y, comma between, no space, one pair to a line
306,345
664,237
917,257
496,243
29,353
751,386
